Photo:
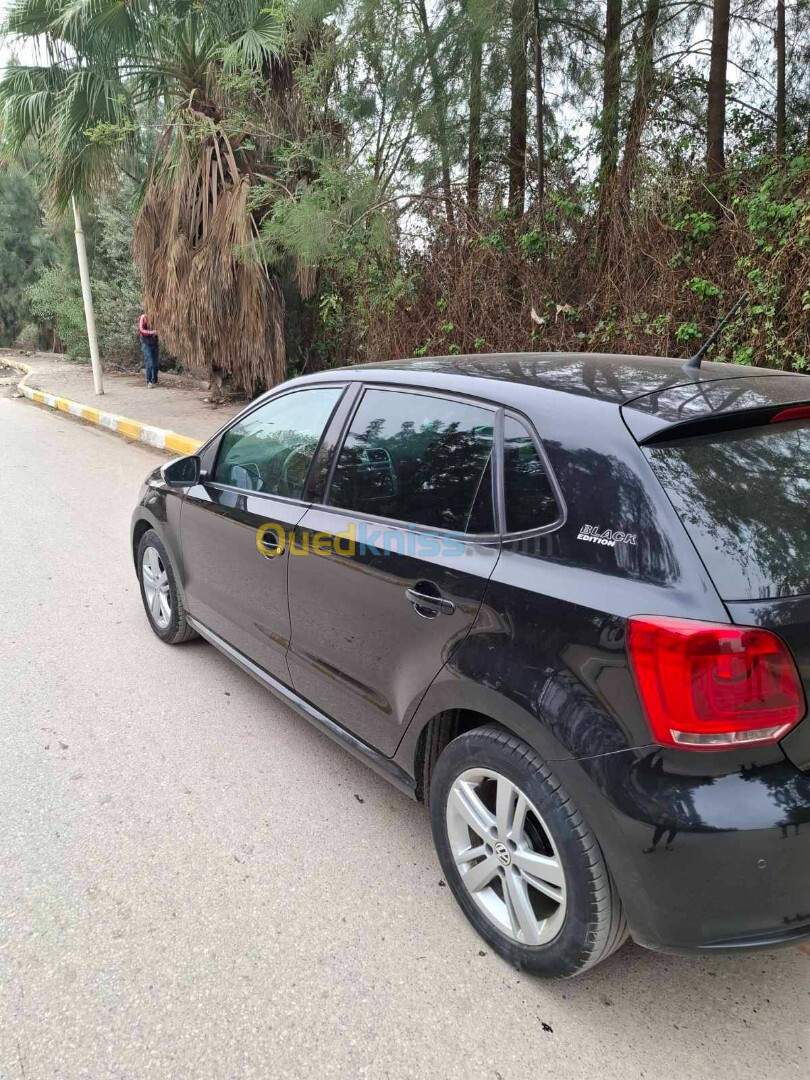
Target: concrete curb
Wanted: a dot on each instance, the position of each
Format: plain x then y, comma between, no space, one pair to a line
132,429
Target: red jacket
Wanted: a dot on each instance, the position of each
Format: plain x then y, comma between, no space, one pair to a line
143,327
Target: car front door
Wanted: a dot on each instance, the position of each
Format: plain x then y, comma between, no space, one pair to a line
390,570
235,525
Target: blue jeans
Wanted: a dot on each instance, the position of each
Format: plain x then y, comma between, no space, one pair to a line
151,354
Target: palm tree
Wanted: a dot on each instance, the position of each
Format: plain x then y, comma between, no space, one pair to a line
44,104
109,63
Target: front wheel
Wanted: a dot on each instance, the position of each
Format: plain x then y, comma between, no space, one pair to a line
523,865
159,592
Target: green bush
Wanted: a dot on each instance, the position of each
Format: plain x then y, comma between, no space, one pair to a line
56,299
25,249
32,337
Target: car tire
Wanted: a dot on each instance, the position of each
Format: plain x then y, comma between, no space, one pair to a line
558,925
156,576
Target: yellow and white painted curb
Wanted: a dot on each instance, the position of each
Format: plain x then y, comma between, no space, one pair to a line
132,429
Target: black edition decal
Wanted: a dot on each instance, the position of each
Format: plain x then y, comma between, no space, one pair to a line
608,538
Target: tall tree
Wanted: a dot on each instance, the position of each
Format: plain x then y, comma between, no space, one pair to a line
716,112
437,82
781,108
475,104
383,86
518,111
539,103
639,106
474,140
611,100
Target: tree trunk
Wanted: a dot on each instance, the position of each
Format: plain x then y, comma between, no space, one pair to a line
716,113
781,112
518,118
611,95
539,133
645,72
440,105
474,145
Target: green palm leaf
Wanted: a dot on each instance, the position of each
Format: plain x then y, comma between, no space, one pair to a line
111,57
262,40
31,18
27,98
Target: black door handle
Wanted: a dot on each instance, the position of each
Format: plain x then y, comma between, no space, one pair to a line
428,605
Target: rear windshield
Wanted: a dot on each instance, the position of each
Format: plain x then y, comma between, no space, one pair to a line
743,497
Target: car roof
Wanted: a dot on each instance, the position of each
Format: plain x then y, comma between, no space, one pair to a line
650,394
611,377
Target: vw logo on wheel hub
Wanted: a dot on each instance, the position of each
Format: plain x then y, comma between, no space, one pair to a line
502,851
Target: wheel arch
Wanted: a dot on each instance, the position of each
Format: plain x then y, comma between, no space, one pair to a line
437,733
441,728
166,524
455,704
139,527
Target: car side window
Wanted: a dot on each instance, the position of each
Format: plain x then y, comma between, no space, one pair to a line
528,494
271,449
419,459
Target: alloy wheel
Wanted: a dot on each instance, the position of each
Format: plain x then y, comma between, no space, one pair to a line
156,587
506,857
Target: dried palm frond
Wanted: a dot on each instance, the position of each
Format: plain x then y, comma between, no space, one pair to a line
306,277
221,315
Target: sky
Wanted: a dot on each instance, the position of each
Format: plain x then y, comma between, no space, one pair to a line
7,49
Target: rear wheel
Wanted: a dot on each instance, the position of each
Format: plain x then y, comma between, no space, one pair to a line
523,865
161,597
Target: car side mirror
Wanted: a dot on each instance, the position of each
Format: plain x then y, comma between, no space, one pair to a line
184,472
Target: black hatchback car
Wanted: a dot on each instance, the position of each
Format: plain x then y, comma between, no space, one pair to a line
563,600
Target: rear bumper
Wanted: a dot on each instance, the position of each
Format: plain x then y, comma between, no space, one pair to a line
703,863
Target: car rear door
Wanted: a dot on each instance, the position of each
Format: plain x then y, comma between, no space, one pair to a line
397,558
235,525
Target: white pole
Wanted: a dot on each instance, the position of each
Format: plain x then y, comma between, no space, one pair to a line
87,296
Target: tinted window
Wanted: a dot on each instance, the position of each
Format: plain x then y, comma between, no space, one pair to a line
528,495
416,458
743,496
271,449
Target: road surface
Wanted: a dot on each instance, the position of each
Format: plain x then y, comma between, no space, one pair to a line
196,883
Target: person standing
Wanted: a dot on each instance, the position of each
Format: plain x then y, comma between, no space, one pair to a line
150,350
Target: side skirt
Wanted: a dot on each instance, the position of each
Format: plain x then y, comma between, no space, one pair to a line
365,753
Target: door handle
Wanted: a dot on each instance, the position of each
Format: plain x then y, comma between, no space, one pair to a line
270,539
431,605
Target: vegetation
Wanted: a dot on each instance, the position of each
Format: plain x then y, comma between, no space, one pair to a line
25,251
310,182
40,294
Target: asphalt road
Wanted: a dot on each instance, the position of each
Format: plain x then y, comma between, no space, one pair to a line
196,883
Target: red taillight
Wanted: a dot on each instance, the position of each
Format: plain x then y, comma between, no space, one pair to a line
796,412
706,686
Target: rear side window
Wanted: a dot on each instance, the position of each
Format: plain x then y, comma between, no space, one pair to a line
418,459
743,496
528,494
